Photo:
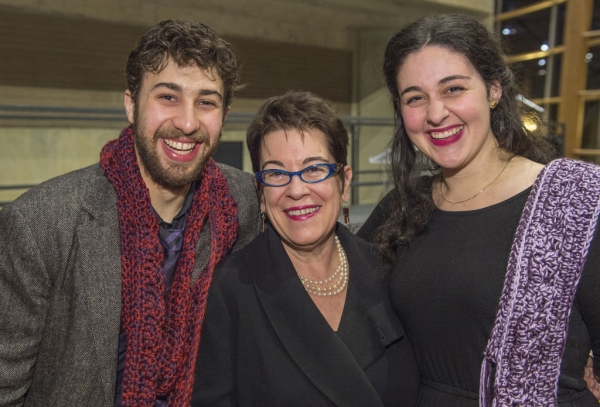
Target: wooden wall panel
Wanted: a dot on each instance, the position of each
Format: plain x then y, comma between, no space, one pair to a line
574,72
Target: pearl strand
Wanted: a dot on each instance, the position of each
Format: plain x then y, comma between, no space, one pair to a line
317,287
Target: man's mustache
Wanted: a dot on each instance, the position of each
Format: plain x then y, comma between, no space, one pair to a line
171,134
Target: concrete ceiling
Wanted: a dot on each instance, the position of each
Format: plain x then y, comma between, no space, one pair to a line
341,14
328,23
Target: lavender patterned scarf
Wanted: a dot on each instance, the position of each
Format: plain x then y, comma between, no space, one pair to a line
545,264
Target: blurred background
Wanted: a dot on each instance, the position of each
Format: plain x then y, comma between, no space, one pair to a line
62,72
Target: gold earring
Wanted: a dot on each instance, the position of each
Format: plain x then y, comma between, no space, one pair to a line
494,104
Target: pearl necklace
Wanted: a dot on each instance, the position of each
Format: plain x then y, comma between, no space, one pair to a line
340,275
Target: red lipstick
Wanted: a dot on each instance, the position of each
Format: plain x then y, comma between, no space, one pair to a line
441,142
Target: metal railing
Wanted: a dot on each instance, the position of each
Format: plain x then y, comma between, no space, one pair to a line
13,188
52,115
59,113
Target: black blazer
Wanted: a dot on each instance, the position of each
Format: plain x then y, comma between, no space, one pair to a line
265,343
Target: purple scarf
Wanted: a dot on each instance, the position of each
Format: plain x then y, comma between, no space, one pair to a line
545,264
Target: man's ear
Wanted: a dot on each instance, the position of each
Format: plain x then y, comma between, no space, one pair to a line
226,113
129,106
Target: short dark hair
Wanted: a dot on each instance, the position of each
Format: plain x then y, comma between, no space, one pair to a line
463,35
186,43
302,111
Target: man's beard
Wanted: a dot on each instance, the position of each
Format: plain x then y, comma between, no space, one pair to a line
173,174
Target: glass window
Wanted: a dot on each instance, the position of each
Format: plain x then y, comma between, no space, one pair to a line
550,114
530,32
533,76
509,5
593,67
596,16
561,11
591,125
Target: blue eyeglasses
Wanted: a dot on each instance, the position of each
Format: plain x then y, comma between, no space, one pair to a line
311,174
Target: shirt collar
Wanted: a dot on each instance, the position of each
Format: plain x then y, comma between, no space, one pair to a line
187,204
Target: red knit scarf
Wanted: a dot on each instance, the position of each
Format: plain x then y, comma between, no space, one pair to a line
162,335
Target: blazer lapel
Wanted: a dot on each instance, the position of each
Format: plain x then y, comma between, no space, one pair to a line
202,251
303,331
369,317
99,257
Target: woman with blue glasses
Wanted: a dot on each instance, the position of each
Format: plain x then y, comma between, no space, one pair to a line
300,317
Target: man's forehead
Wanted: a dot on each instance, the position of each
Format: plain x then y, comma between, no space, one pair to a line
172,71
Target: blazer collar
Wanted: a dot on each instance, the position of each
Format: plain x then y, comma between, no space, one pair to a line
202,251
99,240
368,314
99,255
301,328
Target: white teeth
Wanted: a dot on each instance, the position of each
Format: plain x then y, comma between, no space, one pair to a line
302,211
445,134
179,147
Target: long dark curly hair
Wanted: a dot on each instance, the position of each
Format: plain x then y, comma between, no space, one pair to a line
412,202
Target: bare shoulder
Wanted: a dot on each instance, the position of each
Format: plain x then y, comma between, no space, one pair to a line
522,173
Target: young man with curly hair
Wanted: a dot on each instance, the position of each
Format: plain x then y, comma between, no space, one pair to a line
104,271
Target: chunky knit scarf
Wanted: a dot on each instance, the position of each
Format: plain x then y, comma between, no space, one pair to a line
162,334
545,264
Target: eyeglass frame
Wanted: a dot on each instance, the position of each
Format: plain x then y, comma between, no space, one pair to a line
334,168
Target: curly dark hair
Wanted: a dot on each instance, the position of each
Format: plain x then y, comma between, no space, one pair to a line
413,204
185,43
301,111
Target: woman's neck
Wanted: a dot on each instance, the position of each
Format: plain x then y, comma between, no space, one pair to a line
471,186
315,262
486,184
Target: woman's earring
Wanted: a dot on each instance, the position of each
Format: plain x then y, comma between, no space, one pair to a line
263,215
494,104
346,212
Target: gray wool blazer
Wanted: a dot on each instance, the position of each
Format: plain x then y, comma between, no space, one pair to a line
60,287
